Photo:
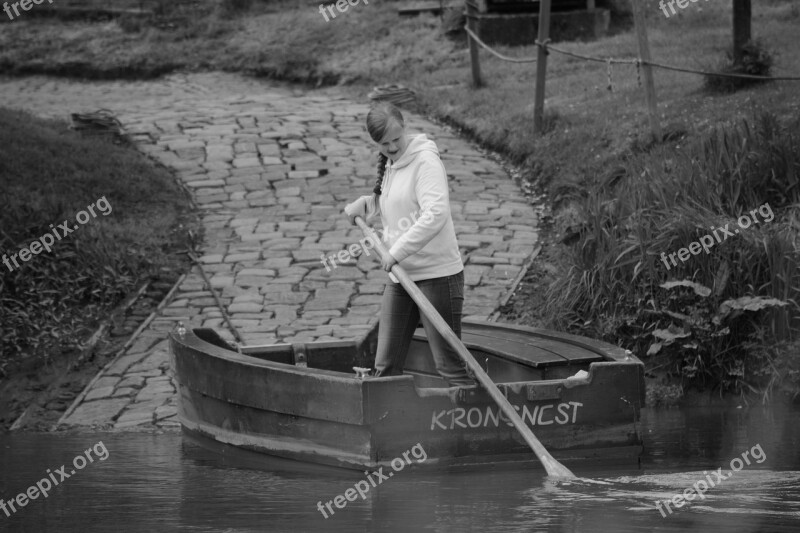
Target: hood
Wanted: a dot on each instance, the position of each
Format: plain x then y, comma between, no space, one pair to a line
417,143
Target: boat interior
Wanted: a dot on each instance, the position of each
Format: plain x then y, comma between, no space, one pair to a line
507,355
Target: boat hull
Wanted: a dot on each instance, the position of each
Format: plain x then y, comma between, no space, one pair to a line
329,417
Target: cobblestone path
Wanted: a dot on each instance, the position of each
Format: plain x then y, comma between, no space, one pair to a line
271,168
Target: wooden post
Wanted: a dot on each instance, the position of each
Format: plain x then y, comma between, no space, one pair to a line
644,55
742,16
541,66
474,59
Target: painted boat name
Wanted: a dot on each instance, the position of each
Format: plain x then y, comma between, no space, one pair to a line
476,417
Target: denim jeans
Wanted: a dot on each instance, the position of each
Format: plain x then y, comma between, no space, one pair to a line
399,319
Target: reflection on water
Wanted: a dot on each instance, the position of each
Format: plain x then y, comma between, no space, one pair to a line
163,483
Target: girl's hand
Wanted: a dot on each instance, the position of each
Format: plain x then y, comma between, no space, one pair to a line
357,208
388,263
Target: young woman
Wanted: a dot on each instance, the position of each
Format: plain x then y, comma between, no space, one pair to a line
413,202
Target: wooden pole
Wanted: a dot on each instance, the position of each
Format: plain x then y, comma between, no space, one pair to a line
553,467
541,66
742,16
474,60
644,55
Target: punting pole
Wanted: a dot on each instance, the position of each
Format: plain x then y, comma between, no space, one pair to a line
553,467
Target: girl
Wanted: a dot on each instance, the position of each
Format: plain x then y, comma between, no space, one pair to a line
412,199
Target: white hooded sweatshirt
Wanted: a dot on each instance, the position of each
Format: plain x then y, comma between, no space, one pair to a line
414,208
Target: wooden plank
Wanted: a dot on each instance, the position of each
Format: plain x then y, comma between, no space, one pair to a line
609,352
522,352
434,8
538,352
500,369
526,341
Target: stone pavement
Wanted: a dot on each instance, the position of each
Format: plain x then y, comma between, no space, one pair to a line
271,168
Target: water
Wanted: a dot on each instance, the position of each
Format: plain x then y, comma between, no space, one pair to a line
162,483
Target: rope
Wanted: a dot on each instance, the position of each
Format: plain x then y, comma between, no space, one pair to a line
611,60
665,67
723,74
623,61
498,54
221,307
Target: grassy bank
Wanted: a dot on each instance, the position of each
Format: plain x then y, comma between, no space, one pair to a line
49,175
618,201
723,314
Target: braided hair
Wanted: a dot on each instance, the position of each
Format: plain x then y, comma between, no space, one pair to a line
382,160
378,120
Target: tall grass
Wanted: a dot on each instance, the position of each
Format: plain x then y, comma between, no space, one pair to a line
735,300
48,174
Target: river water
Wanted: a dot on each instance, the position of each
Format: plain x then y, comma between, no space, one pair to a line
160,482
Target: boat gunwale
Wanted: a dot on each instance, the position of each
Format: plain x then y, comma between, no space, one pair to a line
609,352
197,344
193,341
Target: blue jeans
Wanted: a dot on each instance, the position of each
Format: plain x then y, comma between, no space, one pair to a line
399,319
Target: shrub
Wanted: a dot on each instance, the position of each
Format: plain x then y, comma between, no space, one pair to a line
756,61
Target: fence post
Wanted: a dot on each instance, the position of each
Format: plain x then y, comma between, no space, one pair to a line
644,55
541,66
474,59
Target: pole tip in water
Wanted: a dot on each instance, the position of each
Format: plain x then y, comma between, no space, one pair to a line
560,471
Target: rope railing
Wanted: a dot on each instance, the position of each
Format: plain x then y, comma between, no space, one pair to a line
624,61
496,53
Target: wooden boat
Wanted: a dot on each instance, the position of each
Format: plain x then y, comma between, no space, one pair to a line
303,401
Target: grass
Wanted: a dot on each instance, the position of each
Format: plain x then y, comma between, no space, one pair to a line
48,174
370,44
619,197
705,318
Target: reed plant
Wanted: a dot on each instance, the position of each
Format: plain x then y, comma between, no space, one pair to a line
701,319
